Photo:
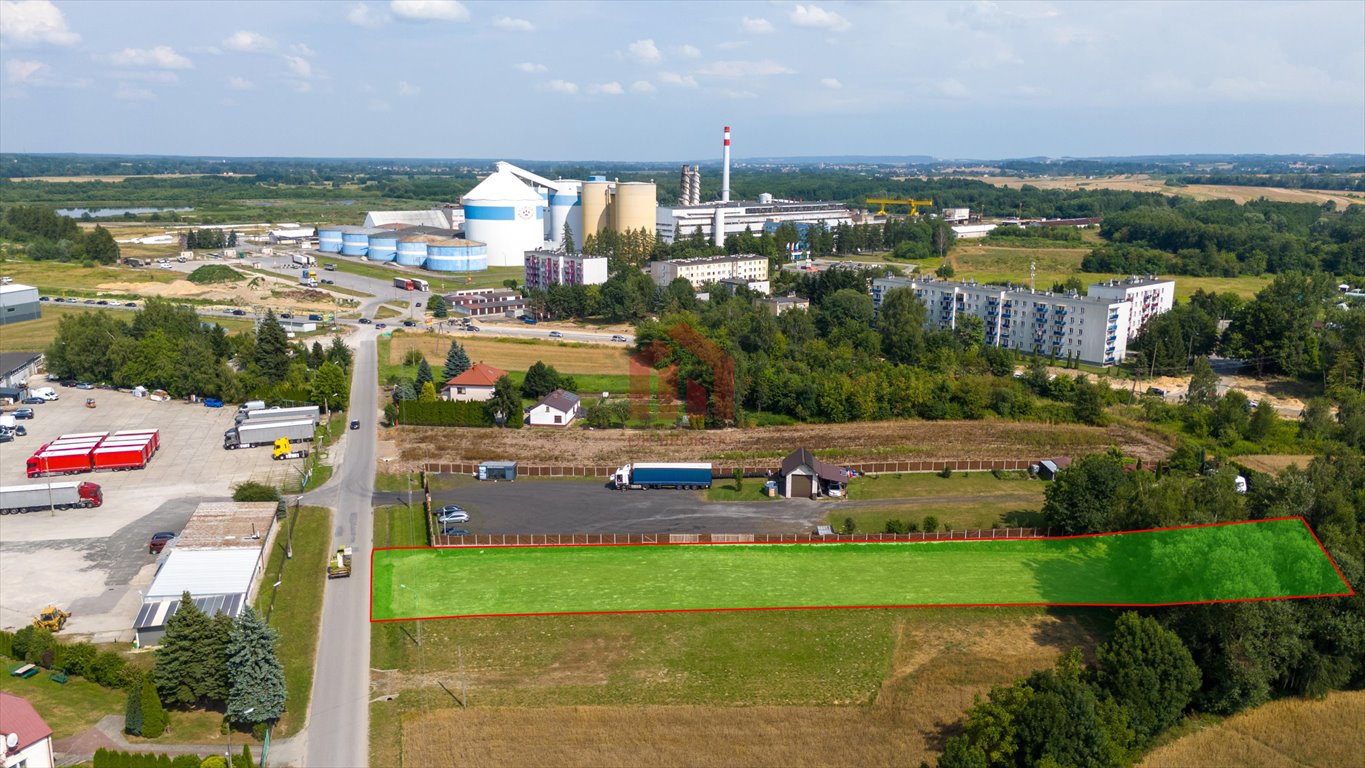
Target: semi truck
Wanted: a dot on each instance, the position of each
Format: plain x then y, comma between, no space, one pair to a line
250,434
59,461
309,277
675,475
304,260
283,450
15,499
280,414
411,284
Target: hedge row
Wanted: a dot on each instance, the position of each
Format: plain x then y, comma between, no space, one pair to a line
108,758
37,646
444,414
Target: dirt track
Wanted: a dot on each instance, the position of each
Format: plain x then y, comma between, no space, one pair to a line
868,441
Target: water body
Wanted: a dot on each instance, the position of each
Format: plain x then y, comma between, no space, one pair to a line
104,213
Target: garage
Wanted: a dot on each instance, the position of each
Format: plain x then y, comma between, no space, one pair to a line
800,487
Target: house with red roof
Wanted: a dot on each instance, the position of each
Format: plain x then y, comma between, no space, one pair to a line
25,740
475,384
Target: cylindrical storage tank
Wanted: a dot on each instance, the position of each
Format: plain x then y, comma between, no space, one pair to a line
562,204
765,198
507,215
355,241
383,246
635,206
594,207
412,250
329,239
456,256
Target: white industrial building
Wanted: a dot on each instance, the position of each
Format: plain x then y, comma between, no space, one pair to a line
546,268
679,222
1149,296
750,268
1092,328
441,217
18,303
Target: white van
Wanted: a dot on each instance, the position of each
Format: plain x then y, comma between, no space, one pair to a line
46,393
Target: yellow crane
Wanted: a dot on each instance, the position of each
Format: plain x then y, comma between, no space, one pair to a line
885,201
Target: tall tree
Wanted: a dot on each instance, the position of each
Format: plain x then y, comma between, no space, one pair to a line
506,401
428,393
272,349
316,355
340,354
424,374
329,386
568,239
100,246
1082,497
1148,671
457,361
901,321
1203,383
541,380
256,692
439,308
189,665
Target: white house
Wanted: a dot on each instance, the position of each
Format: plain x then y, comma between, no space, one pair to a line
475,384
25,740
804,476
557,409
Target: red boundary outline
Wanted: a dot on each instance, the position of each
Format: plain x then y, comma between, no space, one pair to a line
1350,591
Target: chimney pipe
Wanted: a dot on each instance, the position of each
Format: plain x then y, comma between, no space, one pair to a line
725,170
696,185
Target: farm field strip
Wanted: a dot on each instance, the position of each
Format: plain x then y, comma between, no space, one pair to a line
1271,559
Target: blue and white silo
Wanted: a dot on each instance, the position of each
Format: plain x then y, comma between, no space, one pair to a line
329,238
355,241
564,203
412,250
456,255
383,245
506,214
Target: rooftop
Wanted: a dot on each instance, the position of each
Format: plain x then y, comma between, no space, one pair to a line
479,375
13,361
1017,290
18,717
16,287
1134,281
204,572
718,259
559,400
228,525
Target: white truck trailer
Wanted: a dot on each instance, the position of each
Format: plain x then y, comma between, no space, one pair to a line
26,498
249,434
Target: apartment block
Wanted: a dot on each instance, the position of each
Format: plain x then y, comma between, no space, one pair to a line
1150,296
750,268
547,268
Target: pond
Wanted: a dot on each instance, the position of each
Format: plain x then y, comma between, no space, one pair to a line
104,213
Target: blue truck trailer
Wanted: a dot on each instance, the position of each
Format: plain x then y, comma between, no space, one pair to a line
645,476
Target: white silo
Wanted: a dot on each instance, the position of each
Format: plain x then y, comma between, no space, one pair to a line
563,203
508,215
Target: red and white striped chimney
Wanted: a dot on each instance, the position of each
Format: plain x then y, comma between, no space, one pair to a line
725,170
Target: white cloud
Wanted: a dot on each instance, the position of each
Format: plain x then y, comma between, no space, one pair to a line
831,82
730,45
250,42
690,51
643,86
299,67
126,93
645,51
21,71
729,93
951,88
160,57
142,76
362,15
302,49
240,84
407,89
34,22
815,17
562,86
532,68
673,78
513,25
302,86
738,69
759,26
429,10
610,89
378,105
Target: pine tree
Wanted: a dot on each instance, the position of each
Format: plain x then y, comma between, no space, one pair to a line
439,308
457,361
132,711
340,354
568,238
255,677
154,717
316,356
181,674
272,349
404,390
428,393
424,374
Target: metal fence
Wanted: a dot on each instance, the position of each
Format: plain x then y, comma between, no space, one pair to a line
607,539
750,470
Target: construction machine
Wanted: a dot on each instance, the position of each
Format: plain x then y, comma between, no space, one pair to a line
52,619
885,201
339,566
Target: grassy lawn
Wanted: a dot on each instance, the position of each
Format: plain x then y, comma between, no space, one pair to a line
36,335
440,282
297,611
1265,559
385,312
515,354
61,279
395,482
956,516
725,490
921,485
68,709
399,525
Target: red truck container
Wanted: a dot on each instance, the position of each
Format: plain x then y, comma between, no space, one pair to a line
153,434
60,462
116,457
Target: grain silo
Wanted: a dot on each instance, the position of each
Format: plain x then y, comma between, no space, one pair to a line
383,245
507,215
564,205
455,255
412,249
329,238
596,200
634,207
355,241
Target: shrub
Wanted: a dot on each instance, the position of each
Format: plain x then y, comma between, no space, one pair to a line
254,491
6,644
110,670
214,761
930,524
154,716
185,761
896,526
42,646
739,479
946,472
19,644
444,414
132,709
214,273
76,659
413,357
848,527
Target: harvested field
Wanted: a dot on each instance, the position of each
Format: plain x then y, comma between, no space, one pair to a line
868,441
1145,183
1273,464
514,354
1290,732
936,662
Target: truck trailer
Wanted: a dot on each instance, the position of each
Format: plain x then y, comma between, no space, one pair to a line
249,434
120,457
15,499
280,414
153,436
304,260
60,462
662,475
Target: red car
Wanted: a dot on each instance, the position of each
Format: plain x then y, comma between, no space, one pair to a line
159,542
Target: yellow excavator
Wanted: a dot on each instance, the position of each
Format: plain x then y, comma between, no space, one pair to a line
52,619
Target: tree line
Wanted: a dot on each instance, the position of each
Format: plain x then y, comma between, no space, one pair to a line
49,236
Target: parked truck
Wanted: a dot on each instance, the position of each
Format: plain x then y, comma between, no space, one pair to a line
27,498
60,461
646,476
309,277
283,450
304,260
280,414
249,435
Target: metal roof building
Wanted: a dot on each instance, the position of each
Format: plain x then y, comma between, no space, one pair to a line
150,625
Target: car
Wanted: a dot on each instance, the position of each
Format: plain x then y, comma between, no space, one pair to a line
102,303
89,301
239,312
454,532
165,265
286,315
355,423
85,385
450,508
68,382
473,328
212,402
1157,391
5,436
328,281
380,325
44,298
618,337
32,401
528,319
452,517
315,318
365,321
408,323
19,430
24,413
130,304
330,267
159,541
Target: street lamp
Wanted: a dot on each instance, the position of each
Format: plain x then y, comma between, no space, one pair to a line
245,712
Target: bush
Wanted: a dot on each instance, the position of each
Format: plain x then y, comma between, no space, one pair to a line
77,658
413,358
214,761
19,645
42,647
946,472
110,670
7,644
185,761
896,526
848,526
214,273
154,716
108,758
253,491
444,414
132,709
930,524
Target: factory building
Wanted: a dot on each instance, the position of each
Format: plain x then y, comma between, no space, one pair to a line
429,247
750,268
1092,328
1149,296
441,217
18,303
757,216
547,268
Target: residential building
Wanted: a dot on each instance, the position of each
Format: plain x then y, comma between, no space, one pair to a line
557,409
732,284
805,477
31,736
779,304
480,302
18,303
710,269
1062,325
547,268
475,384
1149,296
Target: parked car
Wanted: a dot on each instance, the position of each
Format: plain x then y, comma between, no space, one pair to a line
556,335
365,321
408,323
32,401
315,317
102,303
355,423
212,402
130,304
452,517
454,532
159,541
19,430
450,508
5,436
85,385
328,281
618,337
239,312
380,325
24,413
1158,391
528,319
473,328
44,298
330,267
286,315
89,301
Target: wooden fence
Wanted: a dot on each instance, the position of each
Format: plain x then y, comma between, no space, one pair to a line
600,539
750,470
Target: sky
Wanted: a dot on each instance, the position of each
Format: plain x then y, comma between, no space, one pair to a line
645,81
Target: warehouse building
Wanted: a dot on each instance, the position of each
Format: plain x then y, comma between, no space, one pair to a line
1062,325
17,367
18,303
764,214
482,302
1149,297
441,217
711,269
546,268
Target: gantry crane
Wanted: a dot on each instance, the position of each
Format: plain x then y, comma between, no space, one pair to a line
885,201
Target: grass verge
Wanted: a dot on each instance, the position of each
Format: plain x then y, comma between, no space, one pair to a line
68,709
963,484
727,491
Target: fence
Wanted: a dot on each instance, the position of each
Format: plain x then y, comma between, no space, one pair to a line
607,539
750,470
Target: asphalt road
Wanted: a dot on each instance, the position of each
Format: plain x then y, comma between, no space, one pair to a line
339,718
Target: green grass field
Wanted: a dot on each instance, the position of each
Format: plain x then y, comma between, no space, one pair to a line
1229,562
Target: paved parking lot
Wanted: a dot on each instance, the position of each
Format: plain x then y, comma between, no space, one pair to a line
576,506
92,562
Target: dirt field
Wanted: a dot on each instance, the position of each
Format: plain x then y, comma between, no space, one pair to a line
1144,183
939,662
1286,395
1272,463
513,355
1291,732
869,441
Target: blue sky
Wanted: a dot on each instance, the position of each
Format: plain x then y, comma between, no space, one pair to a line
656,81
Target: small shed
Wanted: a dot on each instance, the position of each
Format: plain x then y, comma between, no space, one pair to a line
1048,468
498,470
804,476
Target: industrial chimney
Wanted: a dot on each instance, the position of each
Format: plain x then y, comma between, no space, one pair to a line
725,170
685,185
696,186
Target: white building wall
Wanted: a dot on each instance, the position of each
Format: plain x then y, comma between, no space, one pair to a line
36,755
544,416
699,272
1149,297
